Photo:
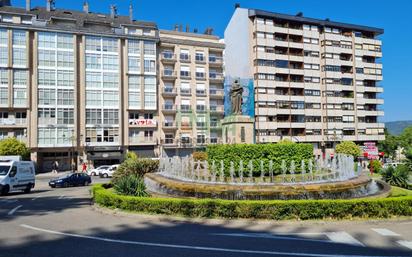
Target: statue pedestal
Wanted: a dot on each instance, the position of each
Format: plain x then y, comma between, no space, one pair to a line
238,129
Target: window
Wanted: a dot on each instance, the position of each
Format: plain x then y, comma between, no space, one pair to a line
19,97
4,92
109,45
65,78
46,136
4,55
134,82
93,98
47,78
93,116
64,41
200,57
46,96
93,61
19,77
111,117
47,116
93,79
134,64
65,116
47,58
93,43
46,40
65,97
111,98
65,59
111,80
134,46
4,39
19,56
110,62
4,77
359,70
134,100
149,66
19,38
149,48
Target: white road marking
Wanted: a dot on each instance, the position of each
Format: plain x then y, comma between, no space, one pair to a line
286,236
14,210
385,232
191,247
36,197
61,197
407,244
343,238
8,201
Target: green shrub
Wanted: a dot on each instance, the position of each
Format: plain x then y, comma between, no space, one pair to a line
130,185
376,166
199,156
349,148
12,146
131,155
396,176
287,151
274,209
137,167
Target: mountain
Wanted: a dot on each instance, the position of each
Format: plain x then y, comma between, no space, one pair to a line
396,127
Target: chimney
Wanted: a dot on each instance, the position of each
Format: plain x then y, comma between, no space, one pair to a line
195,30
50,5
237,5
176,27
131,11
86,7
187,28
113,11
28,6
180,27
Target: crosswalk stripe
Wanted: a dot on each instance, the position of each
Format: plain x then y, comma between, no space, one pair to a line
343,238
385,232
407,244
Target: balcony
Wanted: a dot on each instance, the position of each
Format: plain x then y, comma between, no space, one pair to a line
169,75
168,57
200,108
169,143
186,91
215,61
201,92
186,125
185,108
142,141
217,109
200,76
169,125
216,77
186,142
169,108
200,59
216,93
142,123
185,75
201,125
169,92
184,57
215,125
12,122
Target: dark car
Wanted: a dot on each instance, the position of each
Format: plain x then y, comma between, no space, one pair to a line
75,179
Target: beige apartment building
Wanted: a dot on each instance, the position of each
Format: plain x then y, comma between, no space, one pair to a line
77,86
191,91
315,81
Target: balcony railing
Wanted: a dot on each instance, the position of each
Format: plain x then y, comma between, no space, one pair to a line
185,91
200,92
216,108
185,57
200,59
169,91
185,108
213,92
185,74
168,57
201,124
216,76
200,75
10,121
169,74
215,60
169,125
169,108
142,140
200,108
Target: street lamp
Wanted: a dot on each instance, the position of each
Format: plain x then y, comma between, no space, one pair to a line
71,138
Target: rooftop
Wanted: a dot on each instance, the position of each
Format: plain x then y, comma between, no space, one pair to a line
326,22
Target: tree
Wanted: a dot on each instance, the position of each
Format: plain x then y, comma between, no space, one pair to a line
389,145
349,148
405,138
12,146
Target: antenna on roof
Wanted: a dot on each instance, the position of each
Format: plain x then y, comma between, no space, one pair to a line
187,28
299,14
86,6
131,11
50,5
113,11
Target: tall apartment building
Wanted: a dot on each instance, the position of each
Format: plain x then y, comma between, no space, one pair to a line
77,86
191,87
315,80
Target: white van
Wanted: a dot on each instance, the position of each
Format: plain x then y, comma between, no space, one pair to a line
16,175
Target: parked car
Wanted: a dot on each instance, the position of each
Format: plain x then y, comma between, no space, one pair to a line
73,179
16,175
109,172
96,171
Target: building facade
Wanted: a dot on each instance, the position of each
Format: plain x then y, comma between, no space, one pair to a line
315,81
191,91
78,86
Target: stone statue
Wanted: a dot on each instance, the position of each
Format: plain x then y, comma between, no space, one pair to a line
236,93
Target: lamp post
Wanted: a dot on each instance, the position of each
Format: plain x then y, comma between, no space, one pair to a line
71,138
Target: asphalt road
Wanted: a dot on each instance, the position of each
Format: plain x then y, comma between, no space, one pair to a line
63,222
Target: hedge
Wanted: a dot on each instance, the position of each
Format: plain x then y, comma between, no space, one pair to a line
274,209
287,151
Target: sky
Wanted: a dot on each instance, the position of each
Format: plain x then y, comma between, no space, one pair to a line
394,16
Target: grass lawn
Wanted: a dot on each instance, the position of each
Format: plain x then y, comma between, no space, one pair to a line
398,191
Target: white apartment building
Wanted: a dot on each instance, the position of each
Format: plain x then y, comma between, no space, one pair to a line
315,81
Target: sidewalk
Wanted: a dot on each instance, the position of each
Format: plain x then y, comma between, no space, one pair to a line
47,175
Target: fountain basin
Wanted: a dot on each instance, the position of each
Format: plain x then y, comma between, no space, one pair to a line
361,186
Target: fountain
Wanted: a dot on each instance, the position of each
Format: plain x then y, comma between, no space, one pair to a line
336,177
